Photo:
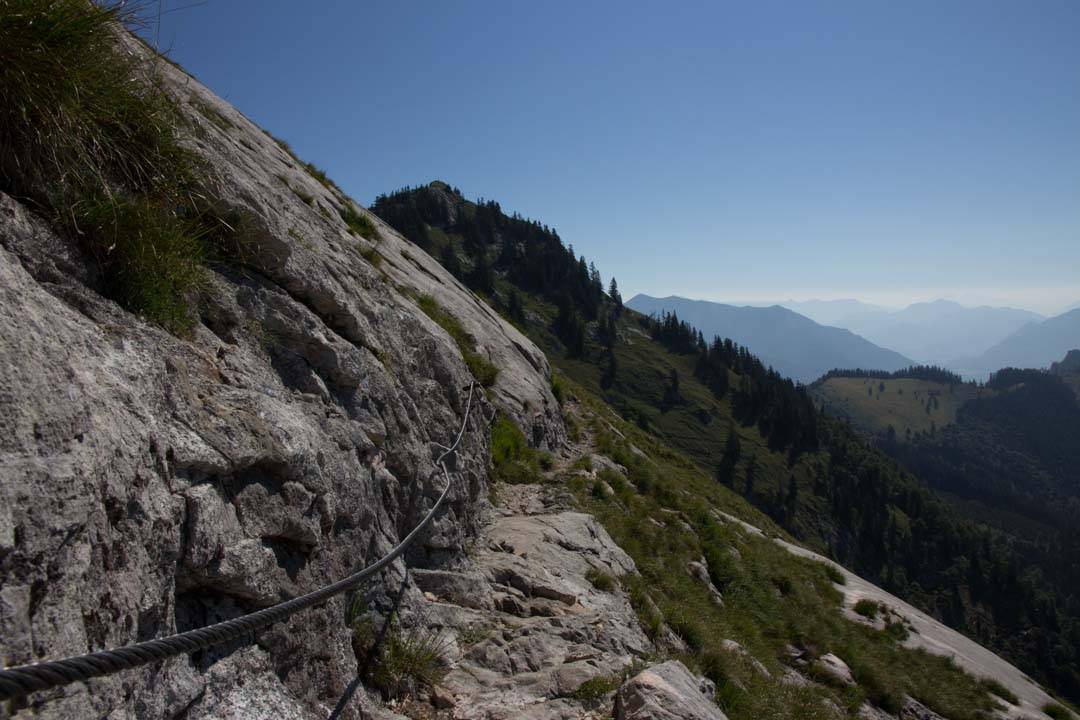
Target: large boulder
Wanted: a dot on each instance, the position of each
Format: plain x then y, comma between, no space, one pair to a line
667,691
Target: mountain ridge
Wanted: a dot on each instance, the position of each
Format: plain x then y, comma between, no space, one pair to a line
1035,345
940,331
792,343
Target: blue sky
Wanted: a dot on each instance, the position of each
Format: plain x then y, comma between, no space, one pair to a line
892,152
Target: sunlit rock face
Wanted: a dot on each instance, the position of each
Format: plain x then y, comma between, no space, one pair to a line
152,483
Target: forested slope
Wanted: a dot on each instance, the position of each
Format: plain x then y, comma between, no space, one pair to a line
754,431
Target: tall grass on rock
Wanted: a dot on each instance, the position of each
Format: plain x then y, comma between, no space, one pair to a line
89,137
77,110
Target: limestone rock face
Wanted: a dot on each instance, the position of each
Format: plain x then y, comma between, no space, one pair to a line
150,484
667,691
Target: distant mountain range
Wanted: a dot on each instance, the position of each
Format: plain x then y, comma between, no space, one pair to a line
791,343
942,331
1035,345
831,312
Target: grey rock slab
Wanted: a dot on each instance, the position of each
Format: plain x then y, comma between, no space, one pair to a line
667,691
835,668
151,483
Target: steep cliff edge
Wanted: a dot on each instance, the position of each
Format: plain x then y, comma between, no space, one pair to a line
153,484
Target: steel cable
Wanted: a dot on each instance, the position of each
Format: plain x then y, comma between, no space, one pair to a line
24,679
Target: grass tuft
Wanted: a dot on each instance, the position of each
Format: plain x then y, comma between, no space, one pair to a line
154,259
833,574
77,112
867,608
306,197
558,389
89,135
594,689
1058,712
513,461
372,256
358,222
211,114
480,367
602,581
398,661
996,688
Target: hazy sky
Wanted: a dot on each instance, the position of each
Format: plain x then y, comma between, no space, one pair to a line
887,151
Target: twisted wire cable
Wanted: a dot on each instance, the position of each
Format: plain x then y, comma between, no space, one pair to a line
24,679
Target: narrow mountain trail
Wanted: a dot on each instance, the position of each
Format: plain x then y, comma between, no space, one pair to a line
529,634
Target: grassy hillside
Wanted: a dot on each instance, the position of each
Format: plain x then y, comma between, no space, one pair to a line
670,513
909,406
754,434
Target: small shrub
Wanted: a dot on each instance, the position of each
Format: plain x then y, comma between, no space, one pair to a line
594,689
996,688
358,222
867,608
601,580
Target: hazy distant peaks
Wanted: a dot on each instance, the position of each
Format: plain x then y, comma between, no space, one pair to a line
792,343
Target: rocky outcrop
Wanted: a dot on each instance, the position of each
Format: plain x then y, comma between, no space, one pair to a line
667,691
150,484
835,669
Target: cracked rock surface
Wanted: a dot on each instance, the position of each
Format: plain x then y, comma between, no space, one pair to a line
529,629
150,484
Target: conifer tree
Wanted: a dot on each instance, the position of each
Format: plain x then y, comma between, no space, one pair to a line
616,298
